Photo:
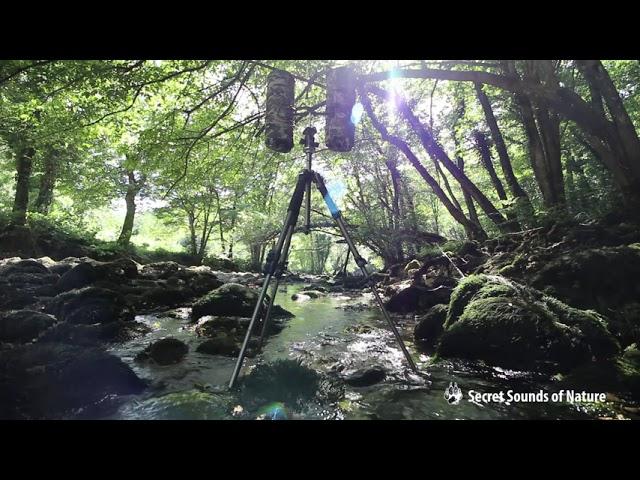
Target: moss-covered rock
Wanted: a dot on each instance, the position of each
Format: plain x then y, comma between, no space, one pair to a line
289,382
430,326
221,344
165,351
507,324
620,375
598,278
231,299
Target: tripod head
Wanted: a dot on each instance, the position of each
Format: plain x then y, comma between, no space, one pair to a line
309,140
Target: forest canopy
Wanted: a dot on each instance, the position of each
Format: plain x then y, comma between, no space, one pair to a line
170,154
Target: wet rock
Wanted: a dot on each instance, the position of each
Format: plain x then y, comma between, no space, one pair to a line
64,265
89,305
417,298
359,329
509,325
430,326
14,298
164,297
23,266
23,281
79,276
91,271
365,377
160,270
300,297
166,351
620,375
236,327
50,381
231,299
313,293
289,382
24,326
221,344
93,335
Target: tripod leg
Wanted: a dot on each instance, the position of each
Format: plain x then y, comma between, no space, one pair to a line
361,262
279,271
290,221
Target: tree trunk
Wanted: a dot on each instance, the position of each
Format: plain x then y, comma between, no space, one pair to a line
130,198
435,151
457,214
24,162
397,224
47,183
485,156
473,214
193,238
505,161
543,133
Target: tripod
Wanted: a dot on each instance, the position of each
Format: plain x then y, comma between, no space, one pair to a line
277,263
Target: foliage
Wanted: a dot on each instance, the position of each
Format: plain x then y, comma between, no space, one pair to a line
182,142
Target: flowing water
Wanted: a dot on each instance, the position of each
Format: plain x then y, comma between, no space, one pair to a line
336,334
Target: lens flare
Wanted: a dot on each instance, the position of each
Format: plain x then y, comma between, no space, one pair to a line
356,113
274,411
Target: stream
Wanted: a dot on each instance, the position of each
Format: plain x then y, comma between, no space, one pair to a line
341,332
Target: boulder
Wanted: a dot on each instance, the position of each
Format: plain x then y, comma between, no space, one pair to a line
89,305
289,382
221,344
164,297
23,266
597,278
506,324
91,271
79,276
166,351
94,335
210,326
417,298
430,326
231,299
620,375
24,326
365,377
53,381
160,270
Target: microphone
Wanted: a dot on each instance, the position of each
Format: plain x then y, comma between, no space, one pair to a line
279,111
341,97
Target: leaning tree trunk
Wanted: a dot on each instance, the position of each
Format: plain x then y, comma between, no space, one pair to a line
24,162
473,214
435,151
505,161
542,128
47,183
473,229
133,187
485,156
